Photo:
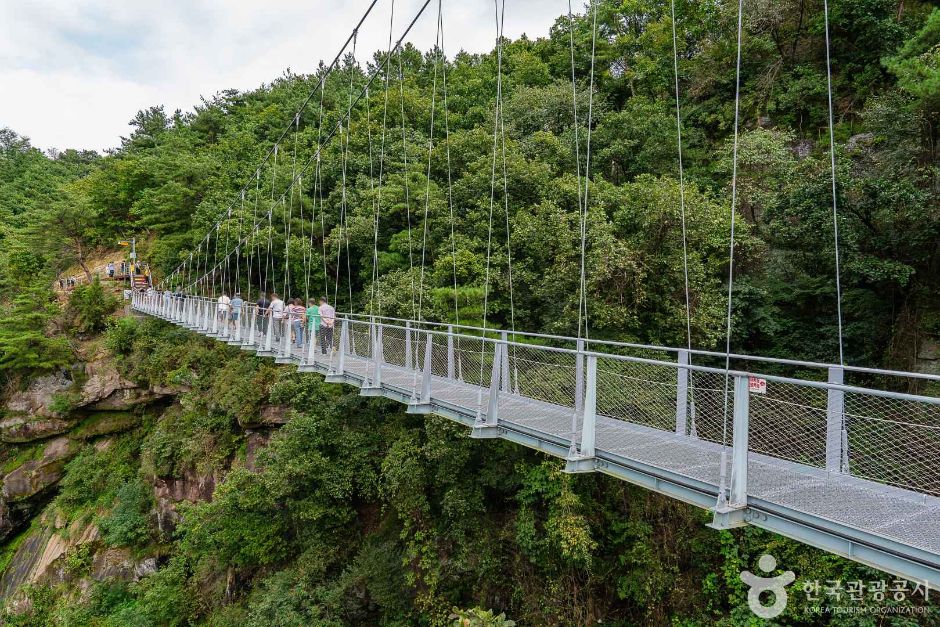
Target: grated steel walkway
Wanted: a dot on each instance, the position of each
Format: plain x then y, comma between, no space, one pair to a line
886,526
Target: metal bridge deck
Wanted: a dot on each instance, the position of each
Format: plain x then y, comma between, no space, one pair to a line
885,526
900,515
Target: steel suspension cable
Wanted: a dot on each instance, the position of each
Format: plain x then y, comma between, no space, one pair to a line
489,230
378,209
427,189
309,97
685,245
404,151
343,199
832,162
583,301
734,201
338,126
450,187
577,124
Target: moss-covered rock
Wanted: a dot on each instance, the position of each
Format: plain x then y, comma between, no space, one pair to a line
35,475
20,429
105,423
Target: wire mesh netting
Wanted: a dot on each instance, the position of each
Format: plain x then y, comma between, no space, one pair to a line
360,339
439,359
542,374
709,410
640,393
789,421
393,345
893,441
473,360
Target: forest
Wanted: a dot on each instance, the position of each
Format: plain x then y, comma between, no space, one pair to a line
295,503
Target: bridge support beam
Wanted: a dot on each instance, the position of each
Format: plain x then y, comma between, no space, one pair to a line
837,449
584,460
373,386
682,394
450,351
309,361
214,324
422,405
338,374
267,349
248,344
284,354
730,513
487,428
409,363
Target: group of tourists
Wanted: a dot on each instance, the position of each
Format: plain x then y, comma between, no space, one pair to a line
302,323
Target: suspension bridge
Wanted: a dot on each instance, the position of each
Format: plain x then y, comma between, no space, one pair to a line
826,456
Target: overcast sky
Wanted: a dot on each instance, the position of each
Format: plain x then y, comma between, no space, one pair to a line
73,72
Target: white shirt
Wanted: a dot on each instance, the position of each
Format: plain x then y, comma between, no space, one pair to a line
277,309
223,302
327,315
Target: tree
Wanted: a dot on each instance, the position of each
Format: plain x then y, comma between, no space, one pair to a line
25,344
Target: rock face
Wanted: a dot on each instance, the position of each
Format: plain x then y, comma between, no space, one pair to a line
270,416
105,423
256,442
36,475
20,429
118,564
105,388
928,356
102,388
37,399
25,488
168,491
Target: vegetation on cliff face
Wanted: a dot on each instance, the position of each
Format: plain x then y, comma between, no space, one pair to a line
356,513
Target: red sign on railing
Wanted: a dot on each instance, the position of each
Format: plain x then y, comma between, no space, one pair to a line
756,385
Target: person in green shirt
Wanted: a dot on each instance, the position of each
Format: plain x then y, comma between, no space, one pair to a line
313,319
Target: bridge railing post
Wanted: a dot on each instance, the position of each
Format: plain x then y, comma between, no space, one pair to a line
450,351
238,324
730,510
739,452
837,454
422,404
492,412
583,460
378,356
682,393
579,378
215,321
428,372
504,344
589,410
409,363
340,369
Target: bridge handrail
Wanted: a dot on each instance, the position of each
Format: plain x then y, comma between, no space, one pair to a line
931,400
668,349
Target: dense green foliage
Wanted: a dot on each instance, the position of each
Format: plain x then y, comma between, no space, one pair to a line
356,513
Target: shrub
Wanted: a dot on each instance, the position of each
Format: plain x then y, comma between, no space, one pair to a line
89,307
128,524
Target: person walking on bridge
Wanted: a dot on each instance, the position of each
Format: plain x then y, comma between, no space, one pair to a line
110,269
277,315
263,305
327,322
224,302
296,313
236,310
313,319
